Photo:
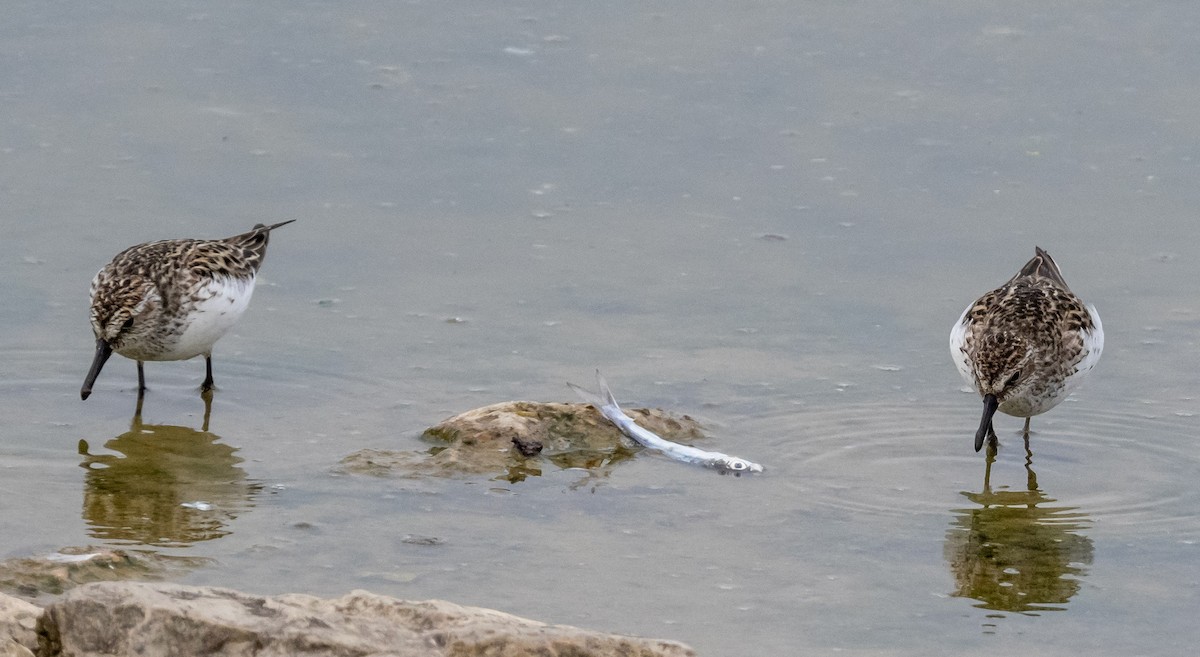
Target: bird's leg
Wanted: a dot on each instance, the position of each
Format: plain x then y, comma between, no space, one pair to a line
1030,475
992,440
1027,429
987,470
208,380
136,424
207,396
141,381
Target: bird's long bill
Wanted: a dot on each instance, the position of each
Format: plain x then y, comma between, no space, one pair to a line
989,409
103,351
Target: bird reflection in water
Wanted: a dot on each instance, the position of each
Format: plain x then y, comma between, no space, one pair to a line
164,485
1015,552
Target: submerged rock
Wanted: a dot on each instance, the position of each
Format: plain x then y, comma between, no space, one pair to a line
51,574
171,619
513,440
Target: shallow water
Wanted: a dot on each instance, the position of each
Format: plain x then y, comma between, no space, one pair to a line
765,216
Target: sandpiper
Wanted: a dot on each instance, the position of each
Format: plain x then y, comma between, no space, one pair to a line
173,299
1026,344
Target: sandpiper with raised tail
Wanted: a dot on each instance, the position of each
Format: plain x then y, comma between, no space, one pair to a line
1026,344
173,299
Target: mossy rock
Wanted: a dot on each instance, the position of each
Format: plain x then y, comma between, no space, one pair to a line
513,440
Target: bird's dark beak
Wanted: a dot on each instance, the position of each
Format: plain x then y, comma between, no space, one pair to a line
103,351
985,425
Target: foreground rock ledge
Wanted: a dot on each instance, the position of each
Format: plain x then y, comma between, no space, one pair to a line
18,623
129,618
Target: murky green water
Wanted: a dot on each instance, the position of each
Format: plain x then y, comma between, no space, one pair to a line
766,216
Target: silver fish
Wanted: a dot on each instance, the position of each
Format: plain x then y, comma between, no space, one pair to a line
607,405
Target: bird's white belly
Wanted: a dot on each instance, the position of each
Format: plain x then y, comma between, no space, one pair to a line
216,307
958,344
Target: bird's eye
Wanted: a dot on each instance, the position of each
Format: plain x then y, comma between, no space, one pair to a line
127,325
1013,379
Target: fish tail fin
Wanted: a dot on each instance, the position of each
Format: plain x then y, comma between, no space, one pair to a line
587,395
604,398
605,392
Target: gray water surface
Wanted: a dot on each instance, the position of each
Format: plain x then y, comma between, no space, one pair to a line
765,215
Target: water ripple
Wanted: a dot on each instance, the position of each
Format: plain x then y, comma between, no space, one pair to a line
1127,469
